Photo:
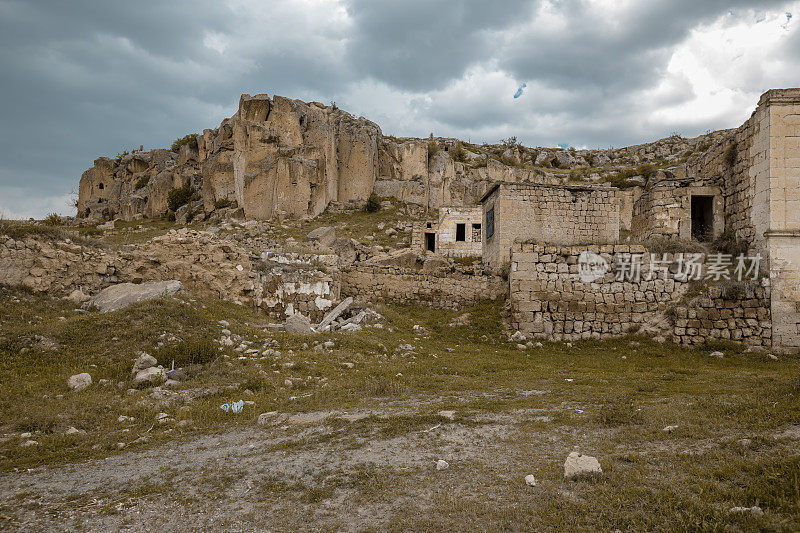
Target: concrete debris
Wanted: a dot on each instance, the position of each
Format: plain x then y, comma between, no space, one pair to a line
124,294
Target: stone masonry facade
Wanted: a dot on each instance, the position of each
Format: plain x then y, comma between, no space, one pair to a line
451,288
555,214
549,300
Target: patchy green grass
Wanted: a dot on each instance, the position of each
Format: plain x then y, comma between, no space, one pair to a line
618,394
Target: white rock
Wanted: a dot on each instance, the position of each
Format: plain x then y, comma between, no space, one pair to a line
26,435
79,381
718,355
669,429
451,415
348,365
578,465
288,383
74,431
772,357
271,418
123,418
297,323
518,336
329,344
143,362
756,510
153,375
530,480
124,294
28,443
442,464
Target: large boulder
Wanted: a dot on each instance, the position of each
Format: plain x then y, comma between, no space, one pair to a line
150,376
79,382
124,294
297,323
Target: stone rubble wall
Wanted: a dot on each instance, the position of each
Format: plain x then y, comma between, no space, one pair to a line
206,265
549,300
451,288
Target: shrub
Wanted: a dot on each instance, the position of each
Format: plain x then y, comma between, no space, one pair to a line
730,155
511,142
188,352
190,140
458,153
222,203
53,220
373,204
669,245
178,197
143,181
727,243
590,159
433,146
703,147
171,216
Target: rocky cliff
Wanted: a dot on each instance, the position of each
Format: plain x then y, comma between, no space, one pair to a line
278,157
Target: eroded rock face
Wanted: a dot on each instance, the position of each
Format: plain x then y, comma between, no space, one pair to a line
274,157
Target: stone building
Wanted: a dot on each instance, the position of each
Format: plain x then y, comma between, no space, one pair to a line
555,214
456,233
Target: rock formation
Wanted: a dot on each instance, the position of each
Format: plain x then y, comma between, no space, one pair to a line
278,157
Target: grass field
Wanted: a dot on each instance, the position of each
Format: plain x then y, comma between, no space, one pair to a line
358,450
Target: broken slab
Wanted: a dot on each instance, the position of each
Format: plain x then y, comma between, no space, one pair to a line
333,315
323,236
122,295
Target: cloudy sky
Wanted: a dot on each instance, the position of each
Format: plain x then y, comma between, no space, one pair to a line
81,79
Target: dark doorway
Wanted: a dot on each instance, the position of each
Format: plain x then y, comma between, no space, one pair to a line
702,218
430,242
461,232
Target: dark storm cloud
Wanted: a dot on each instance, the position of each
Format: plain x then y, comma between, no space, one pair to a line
82,79
423,44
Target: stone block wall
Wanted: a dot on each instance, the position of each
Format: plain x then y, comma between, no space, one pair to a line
548,299
451,288
556,214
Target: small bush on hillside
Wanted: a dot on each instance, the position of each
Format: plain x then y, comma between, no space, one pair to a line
190,140
727,243
143,181
178,197
433,146
730,155
458,153
53,219
222,204
373,204
188,352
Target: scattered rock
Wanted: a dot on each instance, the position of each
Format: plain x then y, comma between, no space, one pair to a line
78,382
450,415
518,336
348,365
718,355
288,383
530,480
28,443
271,419
669,429
579,465
323,236
442,464
78,297
143,362
152,376
745,442
297,323
772,357
756,510
74,431
124,294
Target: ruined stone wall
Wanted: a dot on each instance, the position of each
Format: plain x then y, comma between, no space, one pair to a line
206,266
549,300
454,288
555,214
